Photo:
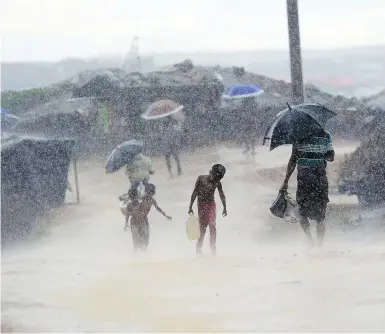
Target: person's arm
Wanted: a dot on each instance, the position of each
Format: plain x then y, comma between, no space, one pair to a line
223,199
150,170
128,171
129,209
290,169
194,195
329,156
131,170
159,209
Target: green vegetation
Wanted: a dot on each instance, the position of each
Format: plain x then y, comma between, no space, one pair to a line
18,102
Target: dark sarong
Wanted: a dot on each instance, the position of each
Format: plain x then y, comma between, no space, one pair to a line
140,234
312,192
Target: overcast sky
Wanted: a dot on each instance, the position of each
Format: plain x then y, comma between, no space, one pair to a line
55,29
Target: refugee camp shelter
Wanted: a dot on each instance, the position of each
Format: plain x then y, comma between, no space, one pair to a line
34,175
61,118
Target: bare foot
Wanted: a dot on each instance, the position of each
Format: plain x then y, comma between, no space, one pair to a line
310,243
199,253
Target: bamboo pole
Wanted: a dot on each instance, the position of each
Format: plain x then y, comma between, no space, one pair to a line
295,52
74,160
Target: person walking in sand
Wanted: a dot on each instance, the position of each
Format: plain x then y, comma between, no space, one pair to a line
248,125
204,189
311,156
171,137
138,211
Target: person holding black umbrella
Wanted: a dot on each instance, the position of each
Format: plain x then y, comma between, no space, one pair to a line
310,156
303,127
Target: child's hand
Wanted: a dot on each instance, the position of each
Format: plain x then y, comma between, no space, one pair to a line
224,213
168,218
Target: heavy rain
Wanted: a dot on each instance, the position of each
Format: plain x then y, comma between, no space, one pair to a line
200,174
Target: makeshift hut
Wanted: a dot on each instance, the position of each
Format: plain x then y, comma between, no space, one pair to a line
71,118
34,175
363,173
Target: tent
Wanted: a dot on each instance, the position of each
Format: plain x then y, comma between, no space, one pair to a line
34,175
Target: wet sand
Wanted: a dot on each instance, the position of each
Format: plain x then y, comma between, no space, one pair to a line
80,274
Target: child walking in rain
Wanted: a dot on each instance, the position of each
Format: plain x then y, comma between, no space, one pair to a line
138,211
204,189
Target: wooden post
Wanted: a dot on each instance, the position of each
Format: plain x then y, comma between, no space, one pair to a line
295,52
76,179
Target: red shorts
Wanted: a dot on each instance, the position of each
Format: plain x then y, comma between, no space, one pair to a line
207,213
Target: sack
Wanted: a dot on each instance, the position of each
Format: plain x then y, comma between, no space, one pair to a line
285,207
279,206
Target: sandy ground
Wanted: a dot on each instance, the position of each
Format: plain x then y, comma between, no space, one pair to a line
80,274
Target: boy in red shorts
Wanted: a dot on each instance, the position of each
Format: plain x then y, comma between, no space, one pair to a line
205,187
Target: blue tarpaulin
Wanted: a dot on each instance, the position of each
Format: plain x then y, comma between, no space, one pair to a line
240,91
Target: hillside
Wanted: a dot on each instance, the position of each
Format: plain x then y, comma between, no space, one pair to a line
277,92
352,72
376,100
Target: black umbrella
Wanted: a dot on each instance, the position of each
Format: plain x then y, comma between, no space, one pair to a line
123,154
296,123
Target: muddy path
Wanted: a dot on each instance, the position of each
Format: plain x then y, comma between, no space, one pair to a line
80,274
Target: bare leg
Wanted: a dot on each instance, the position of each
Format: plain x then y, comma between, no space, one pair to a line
145,236
168,163
199,244
176,157
213,238
135,238
306,227
252,144
246,144
320,232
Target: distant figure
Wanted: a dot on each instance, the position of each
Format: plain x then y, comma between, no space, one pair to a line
138,173
138,212
248,125
311,156
171,143
204,189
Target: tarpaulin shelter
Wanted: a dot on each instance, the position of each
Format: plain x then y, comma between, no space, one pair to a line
60,118
34,175
130,94
183,83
